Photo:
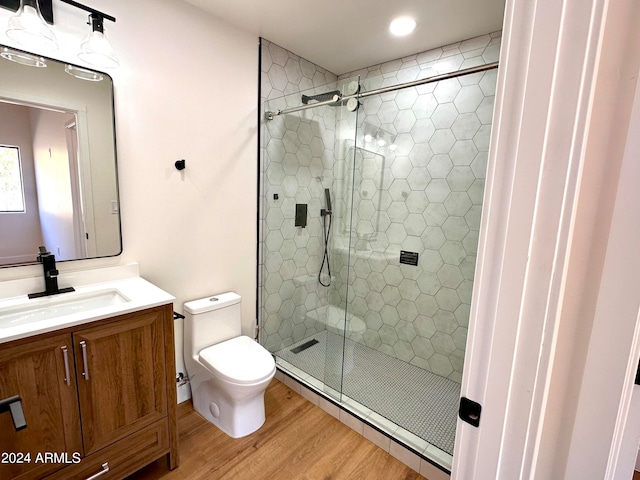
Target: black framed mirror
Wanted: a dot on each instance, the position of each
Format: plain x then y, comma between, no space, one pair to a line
58,168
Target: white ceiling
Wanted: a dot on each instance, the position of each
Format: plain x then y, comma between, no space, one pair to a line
345,35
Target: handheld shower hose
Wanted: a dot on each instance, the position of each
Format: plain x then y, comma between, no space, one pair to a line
324,213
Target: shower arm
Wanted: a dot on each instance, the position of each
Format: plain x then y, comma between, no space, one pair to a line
391,88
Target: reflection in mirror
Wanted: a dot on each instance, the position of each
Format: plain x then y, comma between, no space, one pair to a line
58,178
363,192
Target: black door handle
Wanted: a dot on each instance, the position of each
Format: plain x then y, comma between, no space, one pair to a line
470,411
14,406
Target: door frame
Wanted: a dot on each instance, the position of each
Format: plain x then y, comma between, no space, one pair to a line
537,334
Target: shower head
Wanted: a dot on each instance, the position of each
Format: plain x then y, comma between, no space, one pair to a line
327,199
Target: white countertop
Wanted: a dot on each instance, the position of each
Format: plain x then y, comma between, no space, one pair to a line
138,292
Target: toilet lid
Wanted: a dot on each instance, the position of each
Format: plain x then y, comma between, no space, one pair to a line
238,360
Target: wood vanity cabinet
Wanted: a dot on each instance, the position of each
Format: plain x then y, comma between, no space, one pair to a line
111,414
36,372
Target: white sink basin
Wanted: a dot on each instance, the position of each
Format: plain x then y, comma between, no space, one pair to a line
58,306
100,294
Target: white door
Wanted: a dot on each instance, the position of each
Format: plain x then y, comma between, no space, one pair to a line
552,336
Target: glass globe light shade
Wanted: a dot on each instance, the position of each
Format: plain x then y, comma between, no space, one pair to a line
96,50
28,28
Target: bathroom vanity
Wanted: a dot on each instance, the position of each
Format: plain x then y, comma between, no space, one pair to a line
95,382
87,370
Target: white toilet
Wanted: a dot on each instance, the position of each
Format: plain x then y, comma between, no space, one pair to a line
229,372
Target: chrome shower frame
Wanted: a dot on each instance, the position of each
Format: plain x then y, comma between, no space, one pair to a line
378,91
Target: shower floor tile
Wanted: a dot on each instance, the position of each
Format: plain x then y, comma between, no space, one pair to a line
419,403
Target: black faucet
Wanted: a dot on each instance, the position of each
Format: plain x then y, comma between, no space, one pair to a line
48,261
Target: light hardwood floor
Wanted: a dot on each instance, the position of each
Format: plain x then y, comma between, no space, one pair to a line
298,441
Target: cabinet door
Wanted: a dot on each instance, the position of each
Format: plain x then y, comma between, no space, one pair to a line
121,377
38,373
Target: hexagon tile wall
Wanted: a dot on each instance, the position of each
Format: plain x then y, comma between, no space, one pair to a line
423,195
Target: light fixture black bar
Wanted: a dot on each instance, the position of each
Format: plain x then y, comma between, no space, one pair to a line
90,10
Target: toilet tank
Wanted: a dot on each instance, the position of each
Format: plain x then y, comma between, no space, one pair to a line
213,320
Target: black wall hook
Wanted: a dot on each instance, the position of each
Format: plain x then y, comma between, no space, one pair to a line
180,164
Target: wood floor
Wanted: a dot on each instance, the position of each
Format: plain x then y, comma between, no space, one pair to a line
298,441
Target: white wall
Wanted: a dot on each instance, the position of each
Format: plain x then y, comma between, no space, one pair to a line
186,89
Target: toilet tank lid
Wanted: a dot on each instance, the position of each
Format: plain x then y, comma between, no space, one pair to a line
212,302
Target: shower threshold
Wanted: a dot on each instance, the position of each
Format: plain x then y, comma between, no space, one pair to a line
431,413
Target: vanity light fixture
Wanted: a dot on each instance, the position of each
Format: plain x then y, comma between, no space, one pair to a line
23,58
377,139
96,49
83,73
28,27
402,26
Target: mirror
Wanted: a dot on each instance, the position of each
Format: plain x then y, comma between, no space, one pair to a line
58,177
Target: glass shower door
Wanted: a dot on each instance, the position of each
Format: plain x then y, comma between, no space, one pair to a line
417,192
304,238
339,357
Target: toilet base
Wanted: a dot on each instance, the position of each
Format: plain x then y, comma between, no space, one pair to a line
237,417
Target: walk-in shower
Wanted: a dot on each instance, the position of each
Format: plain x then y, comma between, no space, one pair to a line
368,304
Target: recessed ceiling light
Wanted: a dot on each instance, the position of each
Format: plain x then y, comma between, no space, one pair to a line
402,26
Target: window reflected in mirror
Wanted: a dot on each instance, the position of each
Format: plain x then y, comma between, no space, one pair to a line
11,186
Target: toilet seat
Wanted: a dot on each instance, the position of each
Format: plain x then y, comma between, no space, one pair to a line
239,360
